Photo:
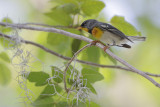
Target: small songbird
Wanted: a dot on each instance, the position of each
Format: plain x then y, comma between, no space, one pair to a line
108,34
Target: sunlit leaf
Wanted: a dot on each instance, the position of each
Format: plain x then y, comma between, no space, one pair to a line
91,54
70,8
57,73
60,16
62,104
7,20
51,89
91,75
55,39
4,56
64,1
72,71
86,104
44,102
109,57
128,29
6,29
93,104
6,42
78,103
91,88
45,98
92,7
70,81
40,78
5,74
60,43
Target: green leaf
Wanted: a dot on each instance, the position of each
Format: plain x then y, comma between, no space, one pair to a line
78,104
64,1
50,90
44,102
86,104
60,16
57,73
7,20
58,42
93,104
40,78
55,39
6,42
91,54
72,70
70,8
5,74
62,104
6,29
92,76
70,81
109,57
75,45
92,7
91,88
4,56
128,29
45,99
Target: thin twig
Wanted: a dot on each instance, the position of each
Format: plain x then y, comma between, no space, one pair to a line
68,64
45,25
54,30
154,75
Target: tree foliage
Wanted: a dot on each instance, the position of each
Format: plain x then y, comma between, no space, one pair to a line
69,13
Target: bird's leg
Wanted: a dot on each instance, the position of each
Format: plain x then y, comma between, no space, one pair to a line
97,41
105,48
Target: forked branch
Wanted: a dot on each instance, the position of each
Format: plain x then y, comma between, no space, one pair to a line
70,61
68,58
54,30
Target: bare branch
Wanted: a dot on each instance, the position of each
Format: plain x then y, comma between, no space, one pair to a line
68,64
45,29
54,30
45,25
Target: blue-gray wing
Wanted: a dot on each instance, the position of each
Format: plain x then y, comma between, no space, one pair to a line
113,30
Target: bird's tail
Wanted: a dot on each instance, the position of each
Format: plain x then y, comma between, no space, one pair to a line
137,38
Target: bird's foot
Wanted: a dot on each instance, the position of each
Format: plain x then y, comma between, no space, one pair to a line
105,48
97,41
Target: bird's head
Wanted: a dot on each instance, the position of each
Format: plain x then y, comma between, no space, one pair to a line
88,25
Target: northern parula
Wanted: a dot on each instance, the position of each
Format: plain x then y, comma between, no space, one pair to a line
108,34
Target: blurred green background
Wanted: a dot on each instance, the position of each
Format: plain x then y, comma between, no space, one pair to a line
119,88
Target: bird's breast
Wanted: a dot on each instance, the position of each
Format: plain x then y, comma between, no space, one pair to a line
112,39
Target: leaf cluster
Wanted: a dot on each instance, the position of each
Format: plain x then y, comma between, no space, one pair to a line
53,85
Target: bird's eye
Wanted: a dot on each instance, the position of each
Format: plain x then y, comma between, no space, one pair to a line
82,24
